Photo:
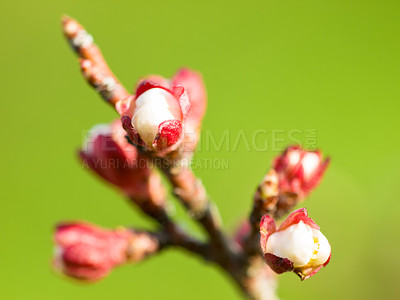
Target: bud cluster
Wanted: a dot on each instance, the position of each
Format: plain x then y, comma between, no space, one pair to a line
159,127
297,245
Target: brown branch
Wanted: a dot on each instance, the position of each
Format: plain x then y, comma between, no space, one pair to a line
94,67
176,236
152,210
171,234
191,192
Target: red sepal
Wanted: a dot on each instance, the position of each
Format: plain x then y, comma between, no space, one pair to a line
194,85
278,264
146,85
297,216
155,79
267,227
131,131
329,259
180,93
169,133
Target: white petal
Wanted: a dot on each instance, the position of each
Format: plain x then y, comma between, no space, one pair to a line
294,157
322,248
154,107
295,243
310,163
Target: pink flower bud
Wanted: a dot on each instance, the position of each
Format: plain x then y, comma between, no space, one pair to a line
88,252
299,171
298,245
194,85
162,112
108,153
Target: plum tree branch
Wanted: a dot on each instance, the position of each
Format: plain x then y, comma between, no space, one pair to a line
93,65
171,234
251,275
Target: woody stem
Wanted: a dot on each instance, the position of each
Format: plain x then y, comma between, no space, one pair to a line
93,65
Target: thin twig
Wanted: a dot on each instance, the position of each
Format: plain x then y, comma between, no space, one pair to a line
191,192
171,234
177,237
94,67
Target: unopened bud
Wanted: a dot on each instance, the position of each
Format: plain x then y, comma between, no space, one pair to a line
298,245
108,153
88,252
163,111
154,107
299,171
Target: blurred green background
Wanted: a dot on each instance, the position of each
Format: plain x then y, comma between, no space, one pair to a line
281,66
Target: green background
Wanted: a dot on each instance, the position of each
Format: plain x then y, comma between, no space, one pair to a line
332,66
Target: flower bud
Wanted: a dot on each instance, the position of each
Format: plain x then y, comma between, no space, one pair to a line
163,112
88,252
153,108
108,153
299,171
298,245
